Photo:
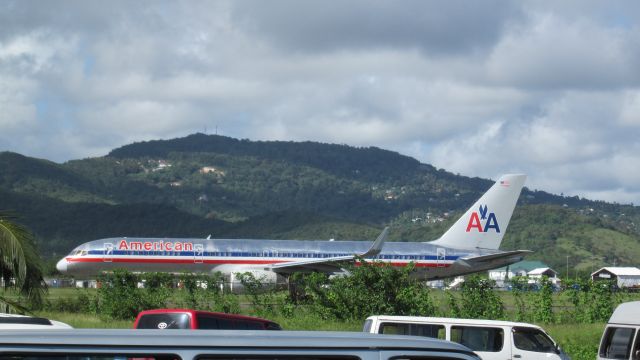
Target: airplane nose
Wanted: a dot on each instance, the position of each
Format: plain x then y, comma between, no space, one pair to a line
62,265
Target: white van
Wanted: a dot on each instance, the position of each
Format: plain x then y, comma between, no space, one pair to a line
491,339
618,337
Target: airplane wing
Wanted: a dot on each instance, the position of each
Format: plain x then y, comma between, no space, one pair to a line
332,264
472,260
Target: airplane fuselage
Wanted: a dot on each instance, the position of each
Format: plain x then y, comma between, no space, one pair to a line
199,255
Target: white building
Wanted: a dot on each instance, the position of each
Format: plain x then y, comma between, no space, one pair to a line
521,268
534,270
536,274
623,276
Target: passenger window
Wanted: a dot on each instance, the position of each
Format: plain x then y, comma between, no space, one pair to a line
254,326
530,339
225,324
617,343
427,330
207,322
478,338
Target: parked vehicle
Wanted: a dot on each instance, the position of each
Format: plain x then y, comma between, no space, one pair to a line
491,339
101,344
620,332
13,321
196,319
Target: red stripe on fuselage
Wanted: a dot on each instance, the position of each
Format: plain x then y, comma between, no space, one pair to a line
219,262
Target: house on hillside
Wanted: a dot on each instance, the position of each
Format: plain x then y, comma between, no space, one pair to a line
534,270
211,170
625,277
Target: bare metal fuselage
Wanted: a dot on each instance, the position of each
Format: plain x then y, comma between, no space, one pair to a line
235,255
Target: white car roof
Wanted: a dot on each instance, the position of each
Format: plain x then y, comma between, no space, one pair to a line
441,320
14,322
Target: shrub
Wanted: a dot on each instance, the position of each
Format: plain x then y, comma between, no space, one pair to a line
120,297
370,288
477,300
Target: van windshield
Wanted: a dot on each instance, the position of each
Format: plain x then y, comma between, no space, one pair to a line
616,343
164,321
531,339
367,325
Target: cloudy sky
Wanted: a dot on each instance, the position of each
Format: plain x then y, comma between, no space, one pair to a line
480,88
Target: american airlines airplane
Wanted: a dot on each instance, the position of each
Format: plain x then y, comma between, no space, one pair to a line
470,245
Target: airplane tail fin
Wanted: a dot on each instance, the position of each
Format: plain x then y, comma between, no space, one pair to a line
485,223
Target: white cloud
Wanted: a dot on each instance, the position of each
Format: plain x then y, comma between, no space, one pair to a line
553,52
630,112
18,110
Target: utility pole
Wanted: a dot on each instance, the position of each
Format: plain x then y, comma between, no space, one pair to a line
567,267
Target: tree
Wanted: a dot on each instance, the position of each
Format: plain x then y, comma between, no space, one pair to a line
20,265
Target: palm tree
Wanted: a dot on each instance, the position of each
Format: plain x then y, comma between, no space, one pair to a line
20,266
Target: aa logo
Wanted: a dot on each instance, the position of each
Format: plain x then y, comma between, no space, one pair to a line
489,220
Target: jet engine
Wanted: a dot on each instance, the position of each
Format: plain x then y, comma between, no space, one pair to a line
234,275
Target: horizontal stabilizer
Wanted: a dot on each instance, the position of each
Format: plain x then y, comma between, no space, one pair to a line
474,260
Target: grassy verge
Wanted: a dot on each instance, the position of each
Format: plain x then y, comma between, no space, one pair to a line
580,341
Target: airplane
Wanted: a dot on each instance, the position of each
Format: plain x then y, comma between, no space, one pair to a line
469,245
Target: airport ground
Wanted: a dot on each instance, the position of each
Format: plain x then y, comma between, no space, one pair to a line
580,340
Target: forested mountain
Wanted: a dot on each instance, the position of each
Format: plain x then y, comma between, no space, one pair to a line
208,184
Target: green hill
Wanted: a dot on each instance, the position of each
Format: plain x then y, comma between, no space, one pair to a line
207,184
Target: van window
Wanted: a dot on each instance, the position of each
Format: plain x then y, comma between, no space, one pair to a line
478,338
617,343
428,330
165,321
530,339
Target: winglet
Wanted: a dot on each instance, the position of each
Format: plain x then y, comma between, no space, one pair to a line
376,247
